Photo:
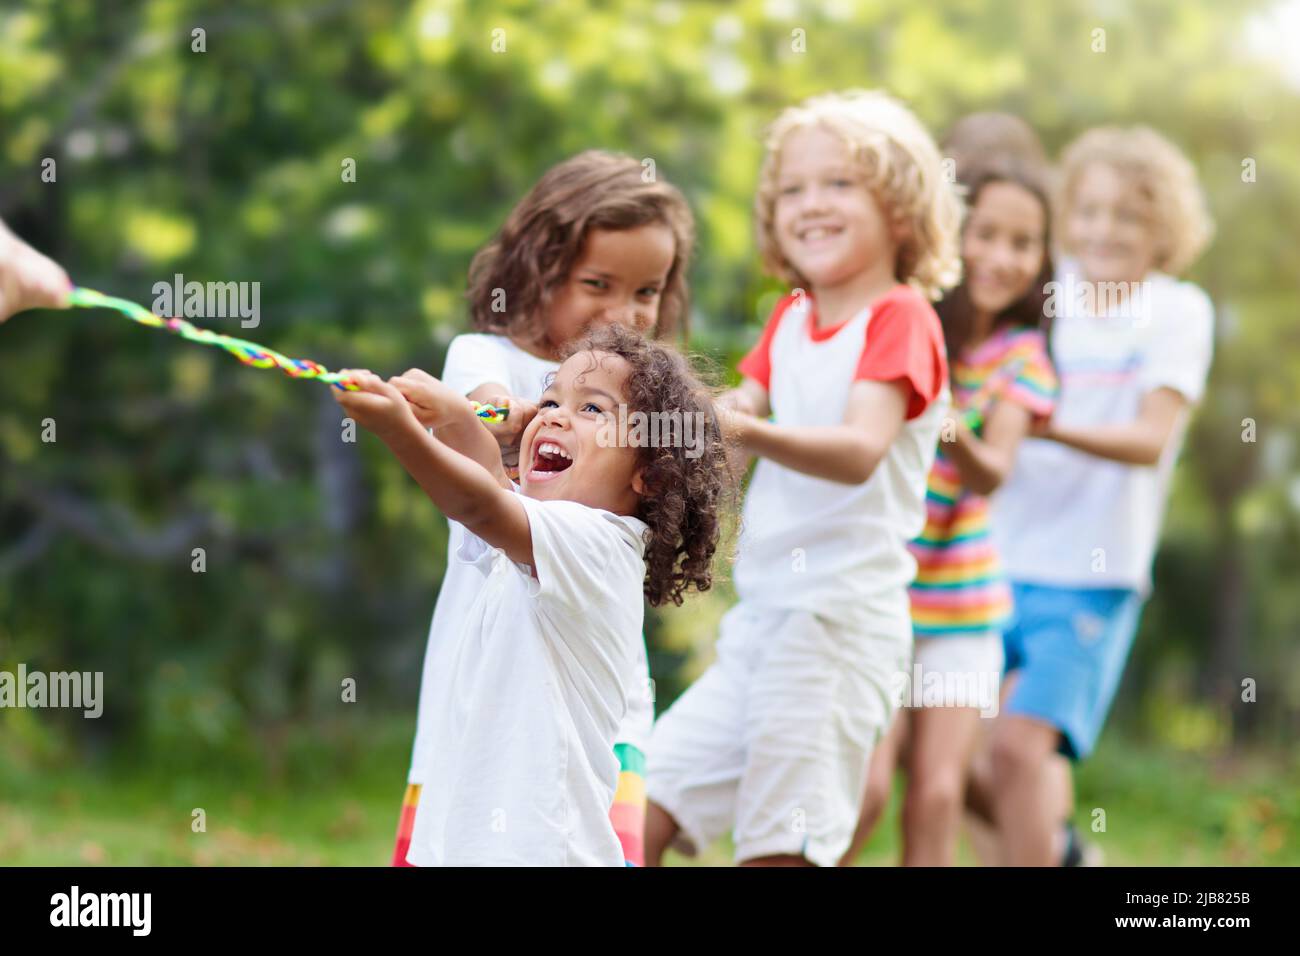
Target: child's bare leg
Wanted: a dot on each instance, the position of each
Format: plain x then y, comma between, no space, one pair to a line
660,829
983,839
1060,785
942,740
979,786
880,779
1028,816
979,780
981,825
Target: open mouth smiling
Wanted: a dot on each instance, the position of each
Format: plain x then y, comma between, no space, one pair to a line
814,234
549,460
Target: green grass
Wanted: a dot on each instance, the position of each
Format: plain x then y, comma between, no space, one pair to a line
334,802
1163,808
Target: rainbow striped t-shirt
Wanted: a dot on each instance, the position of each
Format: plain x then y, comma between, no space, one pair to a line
959,588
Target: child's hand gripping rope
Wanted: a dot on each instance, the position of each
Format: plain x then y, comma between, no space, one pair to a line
431,400
975,415
376,405
250,353
509,431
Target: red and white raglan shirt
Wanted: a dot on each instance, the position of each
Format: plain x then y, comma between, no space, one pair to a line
840,550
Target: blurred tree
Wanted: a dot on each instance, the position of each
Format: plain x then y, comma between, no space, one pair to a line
230,164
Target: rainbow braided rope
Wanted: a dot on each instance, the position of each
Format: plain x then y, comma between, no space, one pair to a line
250,353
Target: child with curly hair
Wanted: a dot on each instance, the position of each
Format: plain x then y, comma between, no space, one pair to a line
592,242
1078,521
522,769
773,741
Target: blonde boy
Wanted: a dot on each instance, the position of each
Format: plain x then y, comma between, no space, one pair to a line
1078,521
772,742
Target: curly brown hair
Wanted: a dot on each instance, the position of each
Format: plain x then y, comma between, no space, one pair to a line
534,251
686,487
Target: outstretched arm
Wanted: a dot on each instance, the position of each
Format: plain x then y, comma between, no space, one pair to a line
847,452
1139,442
461,487
984,462
436,405
28,280
748,398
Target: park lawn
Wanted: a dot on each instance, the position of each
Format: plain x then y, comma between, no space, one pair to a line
1160,808
1144,806
75,818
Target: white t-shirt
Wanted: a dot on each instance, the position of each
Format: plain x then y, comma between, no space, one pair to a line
535,683
477,359
1068,519
474,360
836,549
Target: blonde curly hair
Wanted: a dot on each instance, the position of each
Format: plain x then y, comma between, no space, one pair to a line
1180,222
903,170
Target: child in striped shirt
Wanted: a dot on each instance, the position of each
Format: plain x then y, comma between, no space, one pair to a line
1002,380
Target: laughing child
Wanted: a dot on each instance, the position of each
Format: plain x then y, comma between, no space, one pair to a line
523,769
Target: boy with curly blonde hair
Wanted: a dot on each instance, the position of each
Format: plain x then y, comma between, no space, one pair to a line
854,211
1079,519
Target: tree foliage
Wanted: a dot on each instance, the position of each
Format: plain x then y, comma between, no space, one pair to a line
322,557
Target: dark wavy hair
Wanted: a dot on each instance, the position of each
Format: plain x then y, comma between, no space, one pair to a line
956,311
684,496
541,239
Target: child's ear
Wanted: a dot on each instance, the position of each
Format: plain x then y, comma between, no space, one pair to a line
638,482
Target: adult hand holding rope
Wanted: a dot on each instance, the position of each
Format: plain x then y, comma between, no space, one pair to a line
28,280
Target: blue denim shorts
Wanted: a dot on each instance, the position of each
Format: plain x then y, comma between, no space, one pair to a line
1068,647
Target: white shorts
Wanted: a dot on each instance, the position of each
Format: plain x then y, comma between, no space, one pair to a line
961,671
773,741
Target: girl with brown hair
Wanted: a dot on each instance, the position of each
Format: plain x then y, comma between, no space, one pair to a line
598,240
